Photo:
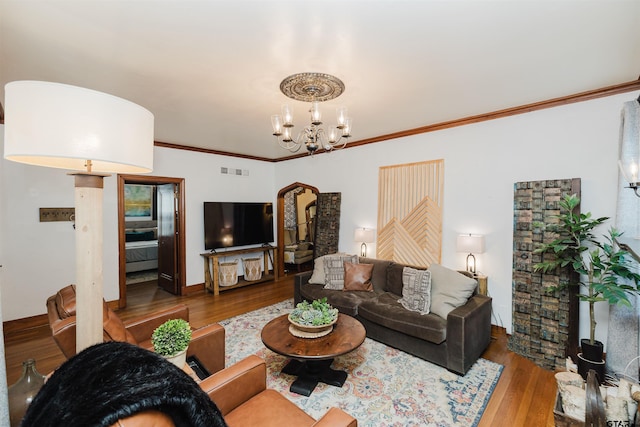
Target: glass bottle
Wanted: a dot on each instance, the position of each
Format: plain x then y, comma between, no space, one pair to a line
23,391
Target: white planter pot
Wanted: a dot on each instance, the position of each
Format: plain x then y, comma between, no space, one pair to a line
179,359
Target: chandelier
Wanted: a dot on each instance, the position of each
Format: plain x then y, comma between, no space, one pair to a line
314,88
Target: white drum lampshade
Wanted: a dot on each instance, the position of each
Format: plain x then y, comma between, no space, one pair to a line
63,126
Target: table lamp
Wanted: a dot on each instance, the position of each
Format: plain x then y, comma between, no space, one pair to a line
364,235
470,243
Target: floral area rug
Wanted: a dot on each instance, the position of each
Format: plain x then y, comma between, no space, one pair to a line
385,386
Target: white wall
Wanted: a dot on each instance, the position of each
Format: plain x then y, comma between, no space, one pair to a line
482,163
39,258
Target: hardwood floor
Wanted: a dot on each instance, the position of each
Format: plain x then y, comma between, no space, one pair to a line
524,395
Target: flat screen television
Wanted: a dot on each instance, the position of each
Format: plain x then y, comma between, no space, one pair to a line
230,224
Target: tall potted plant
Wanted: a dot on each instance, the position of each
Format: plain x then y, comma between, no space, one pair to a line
602,269
171,340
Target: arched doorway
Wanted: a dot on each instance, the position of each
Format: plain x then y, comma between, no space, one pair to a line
299,208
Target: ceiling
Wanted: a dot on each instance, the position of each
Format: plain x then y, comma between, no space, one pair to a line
210,71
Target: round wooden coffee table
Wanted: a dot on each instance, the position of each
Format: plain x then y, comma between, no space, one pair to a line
312,357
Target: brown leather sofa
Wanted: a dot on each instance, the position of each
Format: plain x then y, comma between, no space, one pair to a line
207,343
454,342
241,394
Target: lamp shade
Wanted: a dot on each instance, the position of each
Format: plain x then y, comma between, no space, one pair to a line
365,235
62,126
470,243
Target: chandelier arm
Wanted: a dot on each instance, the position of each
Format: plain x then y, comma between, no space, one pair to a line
292,145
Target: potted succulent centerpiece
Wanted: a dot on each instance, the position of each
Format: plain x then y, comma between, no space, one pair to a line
171,340
312,319
603,271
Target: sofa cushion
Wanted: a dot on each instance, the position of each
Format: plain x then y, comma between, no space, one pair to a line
334,270
267,408
357,277
385,310
379,273
345,302
449,289
416,290
394,279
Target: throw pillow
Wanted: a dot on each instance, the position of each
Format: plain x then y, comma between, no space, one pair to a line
357,277
317,277
416,290
334,270
449,289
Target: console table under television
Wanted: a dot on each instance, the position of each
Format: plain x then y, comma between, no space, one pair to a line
212,268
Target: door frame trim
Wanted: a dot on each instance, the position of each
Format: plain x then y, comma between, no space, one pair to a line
180,244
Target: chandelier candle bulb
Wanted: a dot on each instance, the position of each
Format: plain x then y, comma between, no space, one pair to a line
341,113
346,130
333,135
276,122
315,113
287,116
286,135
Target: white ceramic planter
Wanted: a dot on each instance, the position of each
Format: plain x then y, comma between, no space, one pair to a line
179,359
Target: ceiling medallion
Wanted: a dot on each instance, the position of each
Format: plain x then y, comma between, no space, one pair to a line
311,87
314,88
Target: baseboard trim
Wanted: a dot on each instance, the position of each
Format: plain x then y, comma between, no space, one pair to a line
12,326
497,331
192,289
38,321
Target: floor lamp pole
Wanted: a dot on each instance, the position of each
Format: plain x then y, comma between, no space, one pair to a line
89,242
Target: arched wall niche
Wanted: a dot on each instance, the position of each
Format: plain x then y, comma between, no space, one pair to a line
294,189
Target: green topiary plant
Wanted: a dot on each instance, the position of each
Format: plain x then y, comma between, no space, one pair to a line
172,337
601,267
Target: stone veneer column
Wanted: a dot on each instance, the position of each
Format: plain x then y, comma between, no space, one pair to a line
327,224
545,326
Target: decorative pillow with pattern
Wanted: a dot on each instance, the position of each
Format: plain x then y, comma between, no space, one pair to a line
334,270
416,290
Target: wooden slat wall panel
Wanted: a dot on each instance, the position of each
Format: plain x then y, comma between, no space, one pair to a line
410,200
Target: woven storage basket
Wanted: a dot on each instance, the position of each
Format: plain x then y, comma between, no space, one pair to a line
228,273
252,269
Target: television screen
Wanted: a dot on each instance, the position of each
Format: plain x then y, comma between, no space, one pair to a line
230,224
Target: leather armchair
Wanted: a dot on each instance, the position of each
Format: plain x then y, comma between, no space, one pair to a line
241,394
207,343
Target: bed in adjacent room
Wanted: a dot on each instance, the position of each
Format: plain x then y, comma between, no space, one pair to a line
141,249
